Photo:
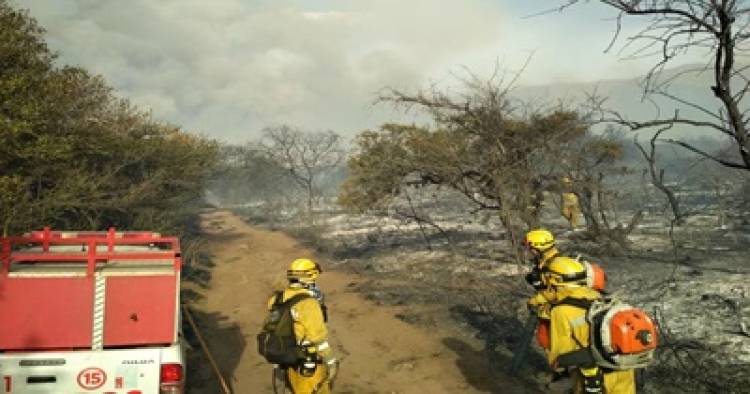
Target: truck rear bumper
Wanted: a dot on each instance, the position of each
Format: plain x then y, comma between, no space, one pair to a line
127,371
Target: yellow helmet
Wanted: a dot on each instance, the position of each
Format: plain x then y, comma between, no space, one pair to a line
303,271
566,180
539,239
565,272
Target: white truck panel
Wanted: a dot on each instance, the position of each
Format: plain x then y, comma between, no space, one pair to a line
108,371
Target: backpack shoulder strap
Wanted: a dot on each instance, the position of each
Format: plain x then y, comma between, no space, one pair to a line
278,298
295,299
582,303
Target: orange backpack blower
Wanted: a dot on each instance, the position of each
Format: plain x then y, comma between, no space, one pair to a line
621,336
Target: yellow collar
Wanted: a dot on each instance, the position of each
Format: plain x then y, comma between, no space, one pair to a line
547,256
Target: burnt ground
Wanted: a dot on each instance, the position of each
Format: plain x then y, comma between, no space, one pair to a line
697,287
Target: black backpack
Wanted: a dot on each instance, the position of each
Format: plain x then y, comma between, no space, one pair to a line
276,342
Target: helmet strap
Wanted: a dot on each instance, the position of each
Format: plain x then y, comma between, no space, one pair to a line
297,283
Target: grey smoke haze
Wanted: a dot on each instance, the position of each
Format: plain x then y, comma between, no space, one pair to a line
228,68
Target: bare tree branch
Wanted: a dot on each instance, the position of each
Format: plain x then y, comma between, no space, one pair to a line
678,27
658,180
723,162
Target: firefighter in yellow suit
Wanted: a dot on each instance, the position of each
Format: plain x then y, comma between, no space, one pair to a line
316,375
541,244
569,330
570,207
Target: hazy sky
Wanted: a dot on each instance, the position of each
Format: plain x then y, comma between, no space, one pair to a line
227,68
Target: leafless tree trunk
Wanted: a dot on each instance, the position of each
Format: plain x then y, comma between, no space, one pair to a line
658,179
586,199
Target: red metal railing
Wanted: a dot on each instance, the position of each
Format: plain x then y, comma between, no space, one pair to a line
89,240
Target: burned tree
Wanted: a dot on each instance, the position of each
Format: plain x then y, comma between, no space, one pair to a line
657,176
304,155
677,27
247,175
500,154
592,160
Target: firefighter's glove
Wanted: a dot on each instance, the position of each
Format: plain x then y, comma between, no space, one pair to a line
539,306
560,382
593,380
561,374
534,278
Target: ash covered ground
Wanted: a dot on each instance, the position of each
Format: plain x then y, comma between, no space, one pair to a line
459,269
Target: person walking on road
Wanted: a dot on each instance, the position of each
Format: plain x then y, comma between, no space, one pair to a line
298,313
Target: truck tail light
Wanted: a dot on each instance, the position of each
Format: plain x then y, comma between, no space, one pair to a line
172,379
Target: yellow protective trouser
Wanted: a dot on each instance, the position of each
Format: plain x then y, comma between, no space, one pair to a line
315,384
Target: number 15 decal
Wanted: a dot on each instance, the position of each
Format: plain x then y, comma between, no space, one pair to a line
92,378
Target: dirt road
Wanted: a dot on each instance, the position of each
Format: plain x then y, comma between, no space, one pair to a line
380,353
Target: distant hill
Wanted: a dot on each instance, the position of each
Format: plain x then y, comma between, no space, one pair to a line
626,97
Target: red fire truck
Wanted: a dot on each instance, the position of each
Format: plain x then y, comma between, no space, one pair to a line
90,312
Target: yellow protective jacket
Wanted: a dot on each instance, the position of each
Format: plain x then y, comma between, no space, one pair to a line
309,323
569,331
570,199
540,301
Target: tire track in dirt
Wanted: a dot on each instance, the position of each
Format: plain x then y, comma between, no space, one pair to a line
380,353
